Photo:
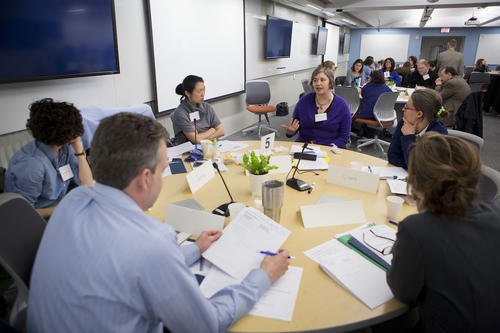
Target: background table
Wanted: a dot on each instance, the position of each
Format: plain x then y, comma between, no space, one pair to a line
321,302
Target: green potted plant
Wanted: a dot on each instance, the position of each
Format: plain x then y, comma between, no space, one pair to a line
258,169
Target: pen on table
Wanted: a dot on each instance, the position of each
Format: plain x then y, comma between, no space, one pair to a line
370,169
273,254
395,223
311,188
309,148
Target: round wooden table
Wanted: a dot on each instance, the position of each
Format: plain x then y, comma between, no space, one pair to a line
321,302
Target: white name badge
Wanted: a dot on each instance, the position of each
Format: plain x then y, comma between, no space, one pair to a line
387,74
426,77
194,116
66,172
320,117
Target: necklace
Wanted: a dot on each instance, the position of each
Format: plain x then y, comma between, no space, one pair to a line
322,105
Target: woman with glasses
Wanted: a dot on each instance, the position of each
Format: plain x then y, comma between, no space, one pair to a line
446,258
421,115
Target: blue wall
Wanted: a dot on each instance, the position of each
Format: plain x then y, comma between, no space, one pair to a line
470,47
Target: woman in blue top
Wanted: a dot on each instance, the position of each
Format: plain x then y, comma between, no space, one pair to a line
370,92
321,117
421,115
389,72
43,169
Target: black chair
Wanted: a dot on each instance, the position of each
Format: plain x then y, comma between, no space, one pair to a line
479,81
21,229
467,72
340,80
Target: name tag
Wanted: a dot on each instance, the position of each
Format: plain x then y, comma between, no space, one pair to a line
387,74
194,116
66,172
426,77
320,117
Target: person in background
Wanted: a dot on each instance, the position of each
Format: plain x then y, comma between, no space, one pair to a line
445,258
451,58
389,72
380,64
413,63
432,66
368,67
46,168
330,65
422,114
423,77
454,90
321,117
103,265
370,92
354,77
193,106
480,66
405,73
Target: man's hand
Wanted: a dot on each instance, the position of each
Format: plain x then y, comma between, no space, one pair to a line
439,81
408,128
276,266
206,239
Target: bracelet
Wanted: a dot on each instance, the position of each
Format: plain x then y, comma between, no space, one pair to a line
80,154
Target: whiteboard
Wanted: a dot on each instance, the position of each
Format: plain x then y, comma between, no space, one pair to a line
489,48
385,46
198,37
332,44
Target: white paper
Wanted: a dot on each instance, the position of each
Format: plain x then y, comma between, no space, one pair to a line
355,179
309,150
326,249
267,143
319,164
397,186
283,162
200,176
364,226
387,172
277,302
182,236
236,252
337,213
177,151
166,172
359,276
325,198
226,146
192,221
377,244
220,164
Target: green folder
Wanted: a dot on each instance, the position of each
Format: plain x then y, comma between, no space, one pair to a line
345,240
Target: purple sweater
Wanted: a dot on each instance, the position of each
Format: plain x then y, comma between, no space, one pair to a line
335,130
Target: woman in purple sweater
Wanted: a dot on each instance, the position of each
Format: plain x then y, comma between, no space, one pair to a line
321,117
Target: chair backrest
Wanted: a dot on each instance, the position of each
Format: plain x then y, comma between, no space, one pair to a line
258,92
479,77
21,229
469,137
306,86
489,184
340,80
384,107
351,96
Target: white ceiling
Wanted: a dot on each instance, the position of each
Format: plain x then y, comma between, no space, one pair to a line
401,13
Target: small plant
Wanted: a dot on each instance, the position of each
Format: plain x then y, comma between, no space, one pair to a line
390,83
257,166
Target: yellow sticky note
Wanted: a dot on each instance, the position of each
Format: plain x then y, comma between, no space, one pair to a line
327,159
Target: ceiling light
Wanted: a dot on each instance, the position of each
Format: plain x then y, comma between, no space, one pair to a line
328,13
348,21
314,7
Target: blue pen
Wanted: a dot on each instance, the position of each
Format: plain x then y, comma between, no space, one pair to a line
201,264
273,254
309,148
392,222
370,169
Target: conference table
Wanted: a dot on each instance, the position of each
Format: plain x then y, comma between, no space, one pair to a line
321,302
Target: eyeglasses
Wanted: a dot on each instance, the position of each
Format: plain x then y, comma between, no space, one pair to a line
380,243
407,108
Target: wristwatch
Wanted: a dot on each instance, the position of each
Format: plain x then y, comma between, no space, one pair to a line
80,154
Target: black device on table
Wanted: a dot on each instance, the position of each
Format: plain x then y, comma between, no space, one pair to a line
295,183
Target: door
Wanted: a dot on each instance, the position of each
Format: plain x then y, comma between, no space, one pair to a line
432,45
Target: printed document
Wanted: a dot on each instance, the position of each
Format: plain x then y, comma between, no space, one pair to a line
177,151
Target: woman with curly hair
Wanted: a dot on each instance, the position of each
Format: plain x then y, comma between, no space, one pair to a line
43,169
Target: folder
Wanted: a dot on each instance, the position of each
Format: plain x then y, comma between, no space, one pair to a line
368,253
344,239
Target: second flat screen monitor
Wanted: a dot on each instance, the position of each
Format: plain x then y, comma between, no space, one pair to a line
279,38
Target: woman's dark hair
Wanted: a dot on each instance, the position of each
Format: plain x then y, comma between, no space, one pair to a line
188,85
54,123
413,59
368,61
377,77
479,63
404,70
392,64
429,102
444,173
356,62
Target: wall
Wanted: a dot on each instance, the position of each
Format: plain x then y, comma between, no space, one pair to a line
470,47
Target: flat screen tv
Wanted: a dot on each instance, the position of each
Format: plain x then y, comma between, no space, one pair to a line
57,39
278,37
320,41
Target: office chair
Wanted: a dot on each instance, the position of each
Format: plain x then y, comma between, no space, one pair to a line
257,99
306,86
21,229
340,80
489,184
385,116
471,138
479,81
351,96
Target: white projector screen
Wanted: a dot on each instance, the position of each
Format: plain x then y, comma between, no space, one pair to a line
489,48
199,37
385,46
332,46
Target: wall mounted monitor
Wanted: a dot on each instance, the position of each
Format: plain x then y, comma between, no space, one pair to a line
278,37
320,41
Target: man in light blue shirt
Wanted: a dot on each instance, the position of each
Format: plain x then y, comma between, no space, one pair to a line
105,266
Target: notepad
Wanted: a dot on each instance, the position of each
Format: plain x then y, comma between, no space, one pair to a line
397,186
335,213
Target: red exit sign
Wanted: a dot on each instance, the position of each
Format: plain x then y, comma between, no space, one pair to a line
445,30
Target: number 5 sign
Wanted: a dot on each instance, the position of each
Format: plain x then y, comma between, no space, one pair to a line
267,143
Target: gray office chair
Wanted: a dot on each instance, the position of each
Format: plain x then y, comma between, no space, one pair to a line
21,229
467,72
258,97
351,96
489,185
306,86
469,137
478,81
385,116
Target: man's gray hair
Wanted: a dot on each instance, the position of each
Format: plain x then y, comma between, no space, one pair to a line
423,61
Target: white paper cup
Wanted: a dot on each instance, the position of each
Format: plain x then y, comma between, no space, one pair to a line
394,204
357,165
235,208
